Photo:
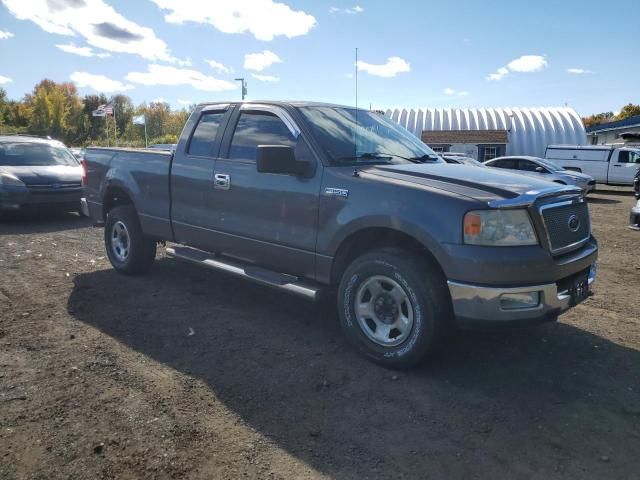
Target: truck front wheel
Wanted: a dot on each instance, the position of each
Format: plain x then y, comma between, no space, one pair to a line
130,251
393,306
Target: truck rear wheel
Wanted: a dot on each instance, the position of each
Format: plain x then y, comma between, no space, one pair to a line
394,308
130,251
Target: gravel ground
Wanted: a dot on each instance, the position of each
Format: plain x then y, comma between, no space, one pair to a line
188,373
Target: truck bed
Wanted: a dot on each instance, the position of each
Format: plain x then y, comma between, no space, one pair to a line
142,172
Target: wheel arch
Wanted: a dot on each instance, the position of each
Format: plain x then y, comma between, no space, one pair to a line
372,238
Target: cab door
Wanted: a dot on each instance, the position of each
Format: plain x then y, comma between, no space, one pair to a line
623,166
192,181
267,219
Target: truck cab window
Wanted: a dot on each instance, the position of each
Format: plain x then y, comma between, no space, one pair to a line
204,136
626,156
258,128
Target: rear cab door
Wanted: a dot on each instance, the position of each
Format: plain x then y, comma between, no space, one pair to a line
192,176
623,165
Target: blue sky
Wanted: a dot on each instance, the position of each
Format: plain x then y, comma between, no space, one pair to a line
412,53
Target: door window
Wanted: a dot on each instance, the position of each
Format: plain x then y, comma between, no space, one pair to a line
204,136
626,156
529,166
510,163
258,128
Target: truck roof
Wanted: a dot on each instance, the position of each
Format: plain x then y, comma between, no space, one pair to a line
581,147
293,103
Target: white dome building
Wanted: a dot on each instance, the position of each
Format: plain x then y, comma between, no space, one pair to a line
485,133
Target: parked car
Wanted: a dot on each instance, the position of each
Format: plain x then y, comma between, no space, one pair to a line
462,160
544,170
634,216
39,173
278,193
78,153
610,165
168,147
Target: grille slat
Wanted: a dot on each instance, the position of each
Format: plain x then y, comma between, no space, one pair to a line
557,219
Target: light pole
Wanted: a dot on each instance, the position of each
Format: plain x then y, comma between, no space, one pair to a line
243,84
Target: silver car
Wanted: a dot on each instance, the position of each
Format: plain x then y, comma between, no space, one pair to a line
544,170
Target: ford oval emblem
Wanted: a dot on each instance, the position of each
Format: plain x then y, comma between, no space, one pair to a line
573,222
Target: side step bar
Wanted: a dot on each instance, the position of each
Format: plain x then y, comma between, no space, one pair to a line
250,272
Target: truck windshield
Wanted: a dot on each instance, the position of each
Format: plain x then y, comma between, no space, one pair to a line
354,137
24,154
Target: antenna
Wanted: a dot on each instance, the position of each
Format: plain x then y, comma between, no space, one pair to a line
243,83
355,137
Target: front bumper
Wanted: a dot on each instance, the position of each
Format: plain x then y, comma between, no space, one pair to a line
21,198
475,306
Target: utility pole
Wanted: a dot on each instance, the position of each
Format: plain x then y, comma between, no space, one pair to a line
243,84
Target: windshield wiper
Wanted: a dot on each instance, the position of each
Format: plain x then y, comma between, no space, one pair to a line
365,156
424,158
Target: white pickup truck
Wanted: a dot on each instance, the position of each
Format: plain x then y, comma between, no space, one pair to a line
607,164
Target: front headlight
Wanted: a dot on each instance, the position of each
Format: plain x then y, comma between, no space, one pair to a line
12,180
499,228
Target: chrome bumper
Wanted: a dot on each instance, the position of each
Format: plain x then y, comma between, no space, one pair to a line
474,304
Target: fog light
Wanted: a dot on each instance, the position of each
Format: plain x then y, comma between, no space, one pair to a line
516,301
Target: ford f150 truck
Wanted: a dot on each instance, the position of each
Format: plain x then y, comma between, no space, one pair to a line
307,197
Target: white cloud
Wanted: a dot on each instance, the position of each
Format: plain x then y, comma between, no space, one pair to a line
350,10
264,19
579,71
99,24
393,66
99,83
523,64
219,67
172,76
528,63
4,79
451,91
265,78
5,34
499,74
82,51
260,61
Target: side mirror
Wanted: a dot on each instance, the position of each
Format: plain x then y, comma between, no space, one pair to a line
278,159
540,170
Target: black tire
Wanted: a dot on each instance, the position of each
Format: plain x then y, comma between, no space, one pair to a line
424,289
141,249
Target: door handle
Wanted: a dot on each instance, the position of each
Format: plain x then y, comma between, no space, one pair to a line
221,181
617,165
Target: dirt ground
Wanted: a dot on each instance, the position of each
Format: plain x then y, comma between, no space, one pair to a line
188,373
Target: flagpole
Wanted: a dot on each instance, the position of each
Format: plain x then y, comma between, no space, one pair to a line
115,126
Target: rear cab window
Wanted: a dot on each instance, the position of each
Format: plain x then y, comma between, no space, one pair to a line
203,141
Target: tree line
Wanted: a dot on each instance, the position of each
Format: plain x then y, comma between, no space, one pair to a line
56,110
629,110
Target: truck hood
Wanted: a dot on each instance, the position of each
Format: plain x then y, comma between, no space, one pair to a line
482,184
45,175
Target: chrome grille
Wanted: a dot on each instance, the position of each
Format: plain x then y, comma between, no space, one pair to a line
567,223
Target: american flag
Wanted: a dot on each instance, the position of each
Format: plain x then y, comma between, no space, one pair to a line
107,108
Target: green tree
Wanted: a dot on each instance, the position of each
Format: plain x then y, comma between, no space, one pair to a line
629,110
598,119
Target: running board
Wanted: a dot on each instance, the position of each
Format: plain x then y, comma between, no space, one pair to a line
282,281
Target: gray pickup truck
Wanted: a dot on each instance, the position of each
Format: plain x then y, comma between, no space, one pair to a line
308,197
